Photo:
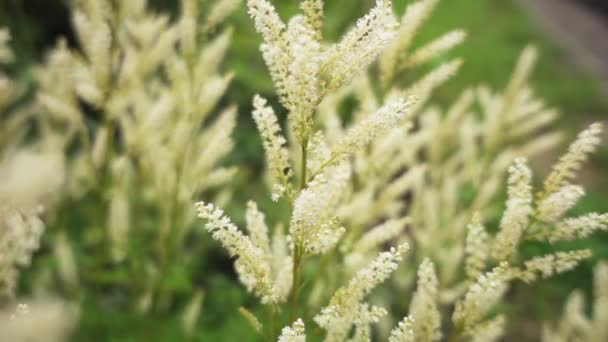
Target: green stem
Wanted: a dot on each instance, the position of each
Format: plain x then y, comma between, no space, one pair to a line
303,164
271,320
297,252
454,335
296,282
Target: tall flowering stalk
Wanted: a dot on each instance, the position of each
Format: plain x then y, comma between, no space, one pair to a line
345,183
306,70
134,110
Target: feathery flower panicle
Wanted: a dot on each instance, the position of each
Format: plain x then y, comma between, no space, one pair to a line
360,46
314,226
304,93
39,320
553,207
6,54
313,9
318,152
251,319
31,178
277,157
214,144
369,129
600,305
66,261
476,248
20,233
294,333
569,164
282,263
423,88
490,331
435,48
548,265
524,67
192,311
423,308
187,27
364,318
481,298
404,331
218,13
380,234
251,264
266,20
415,15
275,47
347,299
119,223
575,324
516,217
95,36
256,226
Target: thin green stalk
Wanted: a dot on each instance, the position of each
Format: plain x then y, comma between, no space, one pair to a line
296,283
303,164
271,322
454,336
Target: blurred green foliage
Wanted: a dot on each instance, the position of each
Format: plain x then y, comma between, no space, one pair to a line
497,31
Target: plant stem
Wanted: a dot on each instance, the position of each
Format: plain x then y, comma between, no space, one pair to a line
304,146
297,252
454,335
271,319
296,283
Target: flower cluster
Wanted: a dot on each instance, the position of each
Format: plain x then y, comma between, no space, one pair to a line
352,186
20,234
314,226
154,83
303,69
575,324
277,156
345,306
516,216
295,333
423,308
251,265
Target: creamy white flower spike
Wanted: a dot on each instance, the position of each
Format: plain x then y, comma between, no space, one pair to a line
294,333
554,206
480,298
551,264
251,264
423,308
490,331
256,226
516,217
6,54
20,233
404,331
277,157
576,324
368,129
578,152
436,48
415,15
303,69
338,316
314,225
476,248
578,227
